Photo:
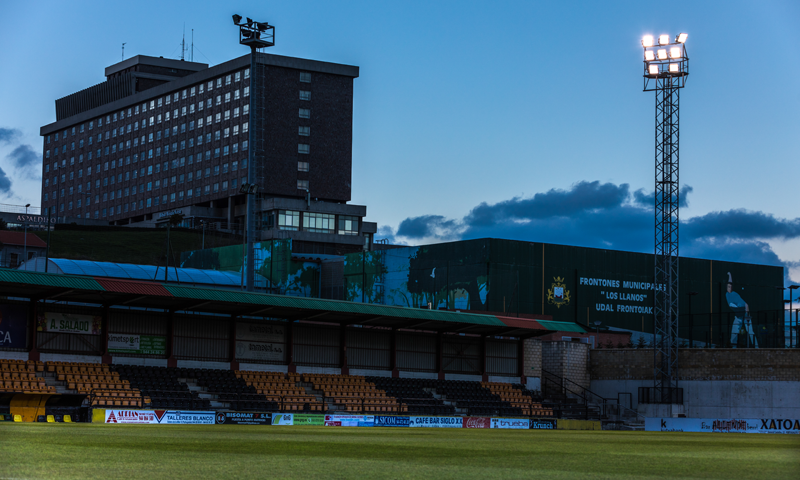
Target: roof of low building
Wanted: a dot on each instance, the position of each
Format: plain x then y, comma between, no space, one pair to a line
10,237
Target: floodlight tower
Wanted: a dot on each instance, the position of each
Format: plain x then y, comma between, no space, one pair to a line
666,67
255,35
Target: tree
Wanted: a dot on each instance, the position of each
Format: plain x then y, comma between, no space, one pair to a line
3,224
176,219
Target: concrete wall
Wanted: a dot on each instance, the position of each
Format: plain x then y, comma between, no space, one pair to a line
719,398
722,383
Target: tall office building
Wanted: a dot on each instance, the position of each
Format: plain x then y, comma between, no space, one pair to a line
164,136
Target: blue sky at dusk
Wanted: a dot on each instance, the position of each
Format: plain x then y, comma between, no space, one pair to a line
521,120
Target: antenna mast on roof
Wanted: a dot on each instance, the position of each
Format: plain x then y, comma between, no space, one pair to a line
183,41
123,50
192,45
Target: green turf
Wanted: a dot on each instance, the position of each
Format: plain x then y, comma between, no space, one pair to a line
167,451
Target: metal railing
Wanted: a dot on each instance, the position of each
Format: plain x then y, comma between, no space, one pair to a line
585,398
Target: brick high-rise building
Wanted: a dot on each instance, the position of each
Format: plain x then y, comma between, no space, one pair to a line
161,136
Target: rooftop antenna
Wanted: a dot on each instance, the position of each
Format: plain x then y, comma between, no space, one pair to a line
192,45
183,42
123,50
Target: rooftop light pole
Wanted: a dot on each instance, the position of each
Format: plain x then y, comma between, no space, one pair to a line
254,35
666,67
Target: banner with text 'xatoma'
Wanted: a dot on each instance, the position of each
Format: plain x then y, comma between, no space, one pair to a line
297,419
724,425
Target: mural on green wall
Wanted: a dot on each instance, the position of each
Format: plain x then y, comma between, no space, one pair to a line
416,277
274,266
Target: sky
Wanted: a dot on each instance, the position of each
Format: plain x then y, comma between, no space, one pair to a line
522,120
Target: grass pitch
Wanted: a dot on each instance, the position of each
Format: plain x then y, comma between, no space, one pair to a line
217,451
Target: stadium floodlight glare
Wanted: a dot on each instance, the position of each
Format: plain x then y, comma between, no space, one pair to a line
649,55
675,52
237,19
681,38
663,40
674,68
647,41
662,53
653,69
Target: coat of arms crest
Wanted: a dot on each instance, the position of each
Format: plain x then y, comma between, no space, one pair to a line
558,294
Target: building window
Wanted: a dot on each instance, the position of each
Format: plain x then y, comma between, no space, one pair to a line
348,225
304,131
303,148
302,185
305,77
288,220
318,222
305,113
305,95
302,166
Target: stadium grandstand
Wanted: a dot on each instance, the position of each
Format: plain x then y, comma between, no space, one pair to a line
78,342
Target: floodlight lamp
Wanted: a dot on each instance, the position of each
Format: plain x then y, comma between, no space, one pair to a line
262,26
647,41
662,53
662,39
653,69
28,205
237,19
681,38
649,55
675,52
249,20
674,68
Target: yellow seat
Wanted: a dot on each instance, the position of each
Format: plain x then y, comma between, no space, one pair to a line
51,419
17,418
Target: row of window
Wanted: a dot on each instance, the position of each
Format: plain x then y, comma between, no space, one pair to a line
312,222
154,201
305,77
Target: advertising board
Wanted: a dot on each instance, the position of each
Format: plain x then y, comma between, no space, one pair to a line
243,418
476,422
163,417
514,423
723,425
246,350
389,421
435,422
260,332
141,344
69,323
349,421
297,419
543,424
13,323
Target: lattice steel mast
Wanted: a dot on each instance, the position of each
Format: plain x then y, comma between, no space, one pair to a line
666,67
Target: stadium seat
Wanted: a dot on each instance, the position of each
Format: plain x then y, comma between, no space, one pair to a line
17,418
67,419
51,419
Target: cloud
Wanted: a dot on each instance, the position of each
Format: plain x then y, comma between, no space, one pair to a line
24,157
5,183
582,197
428,226
605,215
9,135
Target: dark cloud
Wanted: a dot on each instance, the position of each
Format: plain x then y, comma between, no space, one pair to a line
24,157
427,226
5,183
593,214
740,224
648,199
9,135
582,197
